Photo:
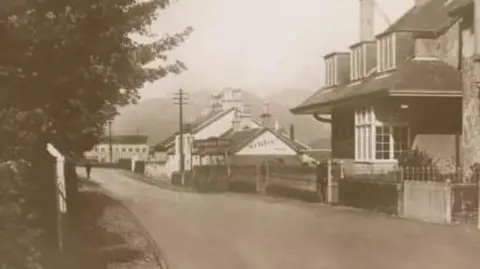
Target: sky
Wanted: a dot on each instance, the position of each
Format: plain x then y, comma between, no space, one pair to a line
263,46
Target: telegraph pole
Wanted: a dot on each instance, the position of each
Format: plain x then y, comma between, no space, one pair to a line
180,98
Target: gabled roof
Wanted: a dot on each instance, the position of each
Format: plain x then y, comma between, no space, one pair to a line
425,77
458,5
430,18
126,139
197,125
240,139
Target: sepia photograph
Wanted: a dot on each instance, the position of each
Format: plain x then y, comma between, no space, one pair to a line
239,134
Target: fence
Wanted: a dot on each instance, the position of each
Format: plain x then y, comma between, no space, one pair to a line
422,193
414,192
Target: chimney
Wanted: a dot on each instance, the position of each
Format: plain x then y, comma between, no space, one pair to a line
292,132
277,125
266,116
367,15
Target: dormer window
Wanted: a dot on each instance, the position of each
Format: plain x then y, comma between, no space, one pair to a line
331,71
337,68
386,57
358,64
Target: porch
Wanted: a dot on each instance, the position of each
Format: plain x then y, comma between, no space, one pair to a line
371,135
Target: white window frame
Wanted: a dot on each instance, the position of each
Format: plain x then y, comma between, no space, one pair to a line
365,136
386,53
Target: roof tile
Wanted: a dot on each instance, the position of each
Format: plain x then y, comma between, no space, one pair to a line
414,74
431,17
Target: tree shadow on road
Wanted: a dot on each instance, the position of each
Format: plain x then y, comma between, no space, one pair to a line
103,232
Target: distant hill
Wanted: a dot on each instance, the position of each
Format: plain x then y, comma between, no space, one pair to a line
289,97
321,143
158,118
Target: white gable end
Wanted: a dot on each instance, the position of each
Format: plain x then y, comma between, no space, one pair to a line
216,128
267,144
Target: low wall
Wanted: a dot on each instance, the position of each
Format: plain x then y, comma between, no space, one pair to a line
243,174
378,195
156,170
210,177
428,201
296,177
465,202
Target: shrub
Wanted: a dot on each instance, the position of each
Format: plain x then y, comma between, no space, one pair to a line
415,158
17,229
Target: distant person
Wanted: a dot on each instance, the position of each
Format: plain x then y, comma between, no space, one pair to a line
88,168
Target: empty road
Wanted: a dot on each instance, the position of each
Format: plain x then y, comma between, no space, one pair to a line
241,231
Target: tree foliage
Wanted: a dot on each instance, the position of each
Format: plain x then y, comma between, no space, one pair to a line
74,62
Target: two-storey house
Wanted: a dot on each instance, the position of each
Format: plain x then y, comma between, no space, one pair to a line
403,90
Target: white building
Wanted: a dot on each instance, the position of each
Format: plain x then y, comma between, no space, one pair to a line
228,118
123,147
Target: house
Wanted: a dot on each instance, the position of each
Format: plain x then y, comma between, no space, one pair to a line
226,109
252,146
228,119
123,147
395,91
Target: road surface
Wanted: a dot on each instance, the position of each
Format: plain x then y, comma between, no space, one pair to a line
241,231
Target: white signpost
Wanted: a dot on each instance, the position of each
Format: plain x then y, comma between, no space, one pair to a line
60,190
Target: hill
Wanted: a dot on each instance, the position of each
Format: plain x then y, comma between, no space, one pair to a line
157,118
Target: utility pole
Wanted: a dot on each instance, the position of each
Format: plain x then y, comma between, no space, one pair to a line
110,151
180,98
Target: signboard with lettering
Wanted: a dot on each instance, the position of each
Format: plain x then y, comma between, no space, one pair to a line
267,144
213,142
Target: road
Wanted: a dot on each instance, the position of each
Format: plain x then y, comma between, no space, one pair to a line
242,231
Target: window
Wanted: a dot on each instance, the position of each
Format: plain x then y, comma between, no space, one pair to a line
137,150
382,143
386,59
375,140
331,71
130,149
123,149
357,62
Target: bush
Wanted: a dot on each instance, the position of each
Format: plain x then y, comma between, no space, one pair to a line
415,158
18,231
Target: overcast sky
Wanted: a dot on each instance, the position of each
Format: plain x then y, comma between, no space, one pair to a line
260,45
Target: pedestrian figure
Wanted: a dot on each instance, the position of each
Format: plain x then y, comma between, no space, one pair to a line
321,182
88,168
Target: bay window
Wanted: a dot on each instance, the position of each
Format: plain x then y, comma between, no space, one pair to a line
378,141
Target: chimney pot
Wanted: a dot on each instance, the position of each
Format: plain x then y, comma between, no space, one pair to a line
367,16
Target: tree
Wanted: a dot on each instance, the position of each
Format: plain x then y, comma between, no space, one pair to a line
71,61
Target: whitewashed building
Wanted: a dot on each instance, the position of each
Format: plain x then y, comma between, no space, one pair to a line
123,147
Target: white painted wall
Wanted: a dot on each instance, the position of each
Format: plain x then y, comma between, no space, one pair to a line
101,152
220,126
267,144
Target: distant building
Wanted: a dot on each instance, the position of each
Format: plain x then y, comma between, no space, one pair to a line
229,119
123,147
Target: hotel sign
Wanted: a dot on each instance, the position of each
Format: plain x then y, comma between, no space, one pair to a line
213,142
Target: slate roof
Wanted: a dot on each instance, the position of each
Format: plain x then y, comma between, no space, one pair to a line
196,125
459,4
415,76
241,138
431,18
126,139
